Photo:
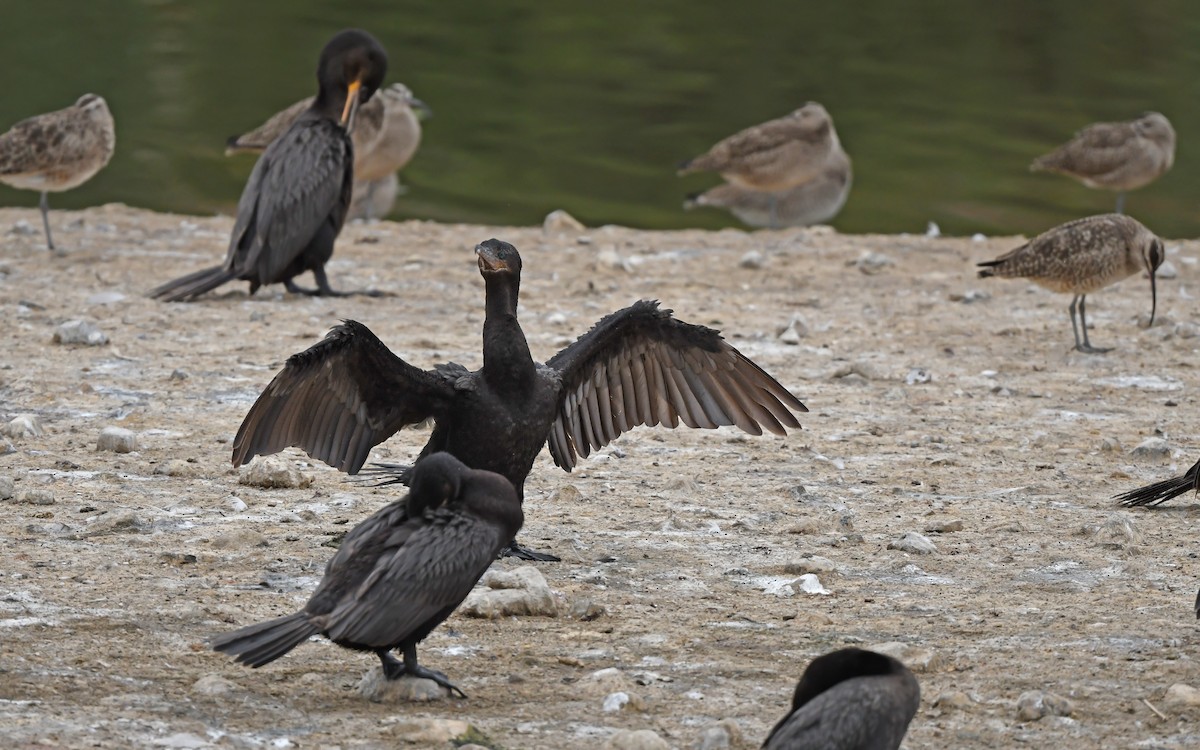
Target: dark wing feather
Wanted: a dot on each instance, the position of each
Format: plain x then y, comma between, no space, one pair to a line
338,399
1160,492
301,181
431,571
640,366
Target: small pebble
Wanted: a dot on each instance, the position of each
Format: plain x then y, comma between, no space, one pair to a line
179,374
239,539
871,263
914,657
117,440
273,472
918,376
23,228
1153,447
174,467
431,732
810,584
953,699
213,684
944,527
519,592
236,504
1034,704
24,425
1180,696
36,497
723,735
104,298
560,221
641,739
80,332
917,544
376,688
821,566
615,702
6,488
753,260
1167,270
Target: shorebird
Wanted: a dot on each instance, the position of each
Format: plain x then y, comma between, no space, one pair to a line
386,135
1117,156
813,202
58,151
774,156
849,699
295,201
1081,257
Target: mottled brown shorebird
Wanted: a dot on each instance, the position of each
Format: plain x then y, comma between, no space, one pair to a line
1167,489
58,151
774,156
1081,257
818,200
1117,156
386,135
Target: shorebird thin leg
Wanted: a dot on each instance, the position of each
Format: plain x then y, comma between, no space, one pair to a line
45,205
1085,347
1121,202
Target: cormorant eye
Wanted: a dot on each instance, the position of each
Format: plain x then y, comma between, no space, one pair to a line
502,255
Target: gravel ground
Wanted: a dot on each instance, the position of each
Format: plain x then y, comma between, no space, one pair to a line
943,406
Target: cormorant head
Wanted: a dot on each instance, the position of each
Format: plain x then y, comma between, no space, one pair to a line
352,67
436,480
828,670
496,256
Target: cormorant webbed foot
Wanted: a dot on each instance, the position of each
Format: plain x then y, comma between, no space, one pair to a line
524,553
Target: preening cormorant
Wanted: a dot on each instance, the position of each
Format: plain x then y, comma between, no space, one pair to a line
637,366
400,573
295,202
849,699
1160,492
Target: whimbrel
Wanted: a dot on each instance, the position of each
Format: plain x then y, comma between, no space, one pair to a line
813,202
295,201
386,135
58,150
1160,492
1117,156
1081,257
774,156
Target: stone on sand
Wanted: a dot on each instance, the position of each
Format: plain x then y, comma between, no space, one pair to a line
519,592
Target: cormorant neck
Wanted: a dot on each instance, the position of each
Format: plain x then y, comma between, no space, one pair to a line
327,105
507,363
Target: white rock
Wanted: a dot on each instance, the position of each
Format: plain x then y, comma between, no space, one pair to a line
7,488
916,658
117,440
105,298
933,230
1153,447
642,739
24,425
273,472
918,376
182,741
753,260
213,684
810,584
80,332
723,735
1167,270
430,732
615,701
1034,704
872,263
917,544
520,592
376,688
610,258
561,221
1180,696
236,504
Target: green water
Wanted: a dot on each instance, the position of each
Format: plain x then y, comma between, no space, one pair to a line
544,105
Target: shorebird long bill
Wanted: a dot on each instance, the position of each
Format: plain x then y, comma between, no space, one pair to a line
1153,297
351,107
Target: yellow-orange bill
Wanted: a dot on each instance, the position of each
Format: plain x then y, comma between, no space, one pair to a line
351,98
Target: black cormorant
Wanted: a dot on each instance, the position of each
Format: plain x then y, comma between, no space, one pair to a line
637,366
849,699
296,199
1167,489
400,573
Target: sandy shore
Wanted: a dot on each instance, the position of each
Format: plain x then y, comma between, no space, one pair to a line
942,404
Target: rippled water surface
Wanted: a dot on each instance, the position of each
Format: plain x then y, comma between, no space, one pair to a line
588,107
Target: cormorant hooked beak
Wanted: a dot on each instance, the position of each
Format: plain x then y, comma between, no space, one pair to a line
351,108
491,257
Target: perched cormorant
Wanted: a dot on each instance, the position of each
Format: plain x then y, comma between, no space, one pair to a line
637,366
400,573
295,201
387,132
58,151
1160,492
849,699
1081,257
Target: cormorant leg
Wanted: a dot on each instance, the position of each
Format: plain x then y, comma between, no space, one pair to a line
1121,202
290,285
324,290
523,553
1087,347
394,670
45,206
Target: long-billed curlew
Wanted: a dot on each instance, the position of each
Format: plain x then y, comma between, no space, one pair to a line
1117,156
1081,257
58,151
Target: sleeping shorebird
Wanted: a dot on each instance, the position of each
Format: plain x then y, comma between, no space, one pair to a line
386,136
58,150
1081,257
1117,156
774,156
813,202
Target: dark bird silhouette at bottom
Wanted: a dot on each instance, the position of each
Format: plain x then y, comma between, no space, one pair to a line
1160,492
400,573
849,699
637,366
